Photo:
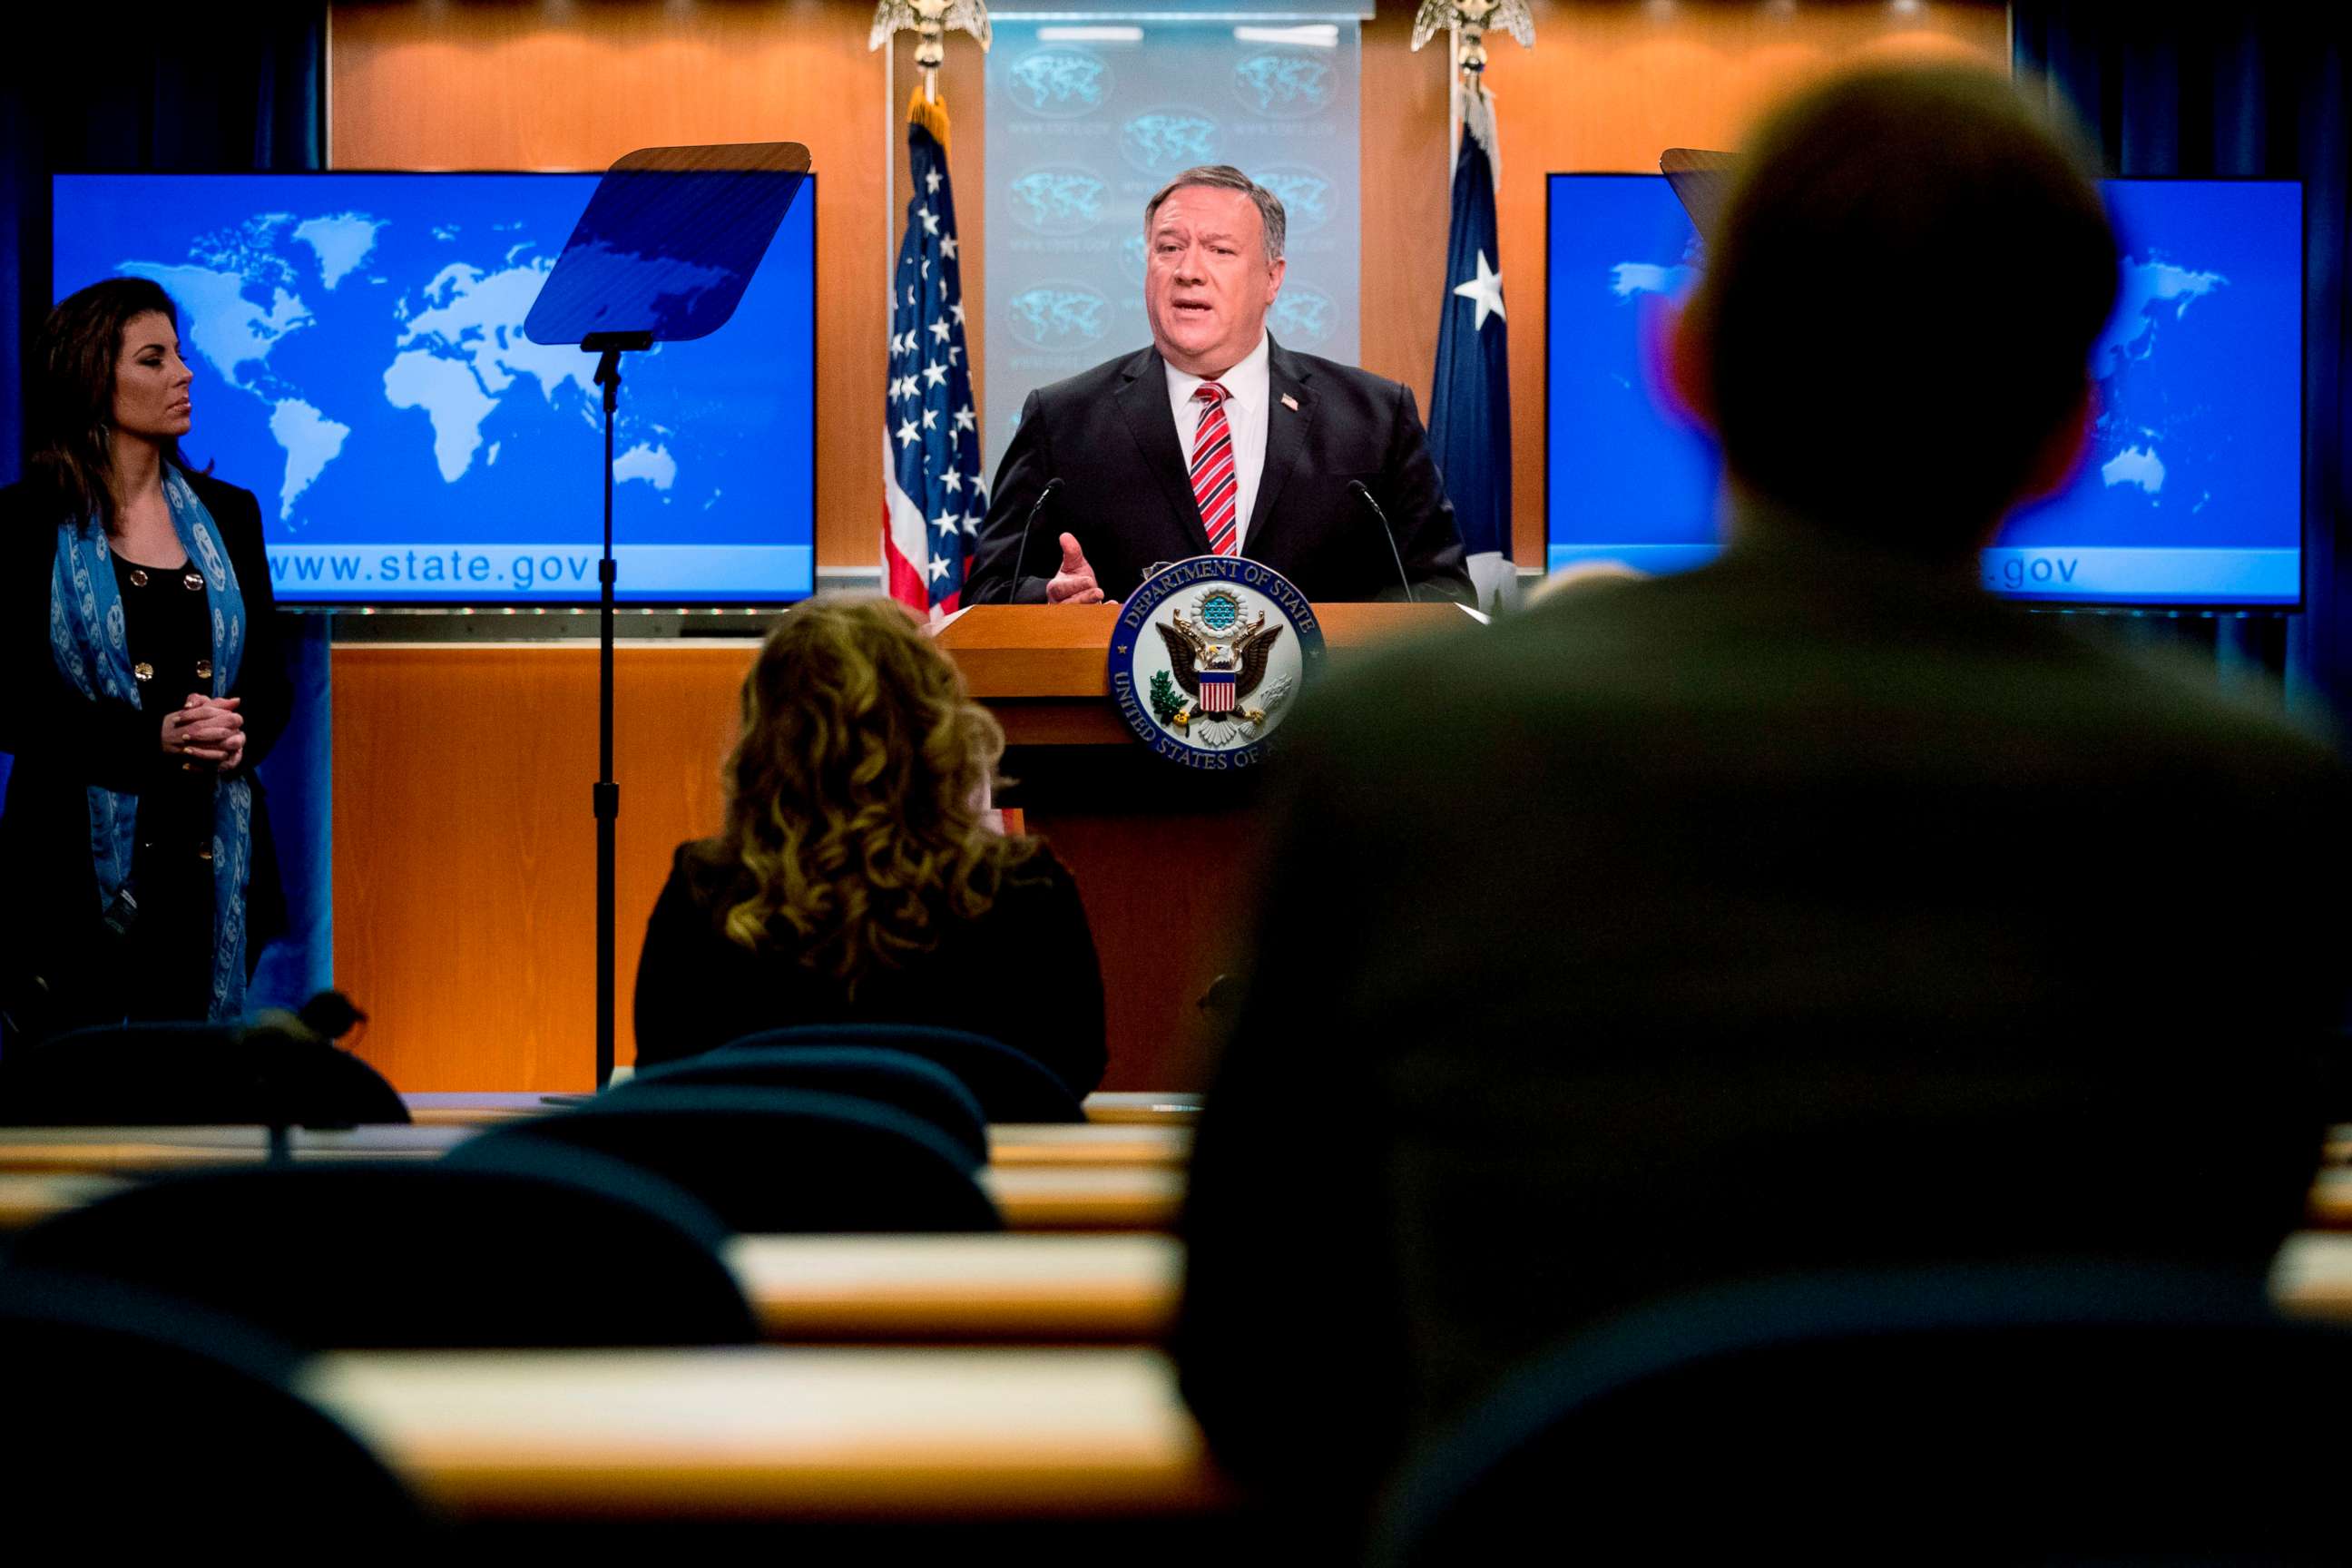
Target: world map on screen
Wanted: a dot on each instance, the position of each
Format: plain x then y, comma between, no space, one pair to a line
2143,415
457,354
2191,487
360,366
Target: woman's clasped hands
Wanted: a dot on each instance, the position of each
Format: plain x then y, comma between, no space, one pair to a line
205,732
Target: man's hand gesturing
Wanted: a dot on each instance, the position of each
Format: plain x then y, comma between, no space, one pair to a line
1074,583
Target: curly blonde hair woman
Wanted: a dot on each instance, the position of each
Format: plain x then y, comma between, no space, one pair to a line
861,875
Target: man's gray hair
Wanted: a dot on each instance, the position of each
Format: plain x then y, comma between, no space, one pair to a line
1225,177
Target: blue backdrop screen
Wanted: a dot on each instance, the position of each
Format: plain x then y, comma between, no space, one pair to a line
2190,494
361,366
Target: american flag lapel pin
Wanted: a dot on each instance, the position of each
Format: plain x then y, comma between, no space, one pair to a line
1290,403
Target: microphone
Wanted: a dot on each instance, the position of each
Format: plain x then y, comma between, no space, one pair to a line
331,1015
1021,559
1390,534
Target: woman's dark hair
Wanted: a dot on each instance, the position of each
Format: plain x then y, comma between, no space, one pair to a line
1900,302
69,404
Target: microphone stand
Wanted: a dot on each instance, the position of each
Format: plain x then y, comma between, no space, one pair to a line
1388,533
1020,557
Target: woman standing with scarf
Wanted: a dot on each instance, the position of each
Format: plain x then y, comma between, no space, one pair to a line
146,683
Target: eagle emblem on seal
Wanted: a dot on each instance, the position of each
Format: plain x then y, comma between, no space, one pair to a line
1218,657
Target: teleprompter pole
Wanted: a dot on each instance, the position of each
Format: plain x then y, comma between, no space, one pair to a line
662,254
610,346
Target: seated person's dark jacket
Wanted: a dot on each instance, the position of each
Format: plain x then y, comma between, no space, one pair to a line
62,743
1023,973
1801,911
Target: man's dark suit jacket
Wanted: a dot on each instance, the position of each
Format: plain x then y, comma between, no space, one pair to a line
1108,436
1809,908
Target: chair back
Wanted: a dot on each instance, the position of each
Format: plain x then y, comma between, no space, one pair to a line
2097,1412
923,1089
531,1247
1010,1085
140,1422
772,1160
174,1074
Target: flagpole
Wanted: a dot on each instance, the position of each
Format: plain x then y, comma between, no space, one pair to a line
1469,412
1453,99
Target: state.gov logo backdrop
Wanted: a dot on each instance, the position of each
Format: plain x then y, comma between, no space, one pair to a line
1082,130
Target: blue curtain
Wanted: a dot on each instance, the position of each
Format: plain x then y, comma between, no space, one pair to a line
299,779
2250,89
226,87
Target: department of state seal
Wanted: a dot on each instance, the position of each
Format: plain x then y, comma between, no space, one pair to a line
1208,657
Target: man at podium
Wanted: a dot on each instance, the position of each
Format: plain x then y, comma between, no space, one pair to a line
1216,440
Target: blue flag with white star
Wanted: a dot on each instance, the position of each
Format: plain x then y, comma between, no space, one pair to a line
1470,403
932,495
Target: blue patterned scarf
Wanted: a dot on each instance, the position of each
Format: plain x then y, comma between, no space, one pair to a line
92,650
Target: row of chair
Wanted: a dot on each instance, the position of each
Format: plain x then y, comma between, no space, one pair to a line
138,1423
598,1224
861,1129
2050,1412
2079,1410
182,1074
192,1300
191,1075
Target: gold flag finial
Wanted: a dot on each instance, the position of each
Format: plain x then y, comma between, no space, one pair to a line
1470,21
930,19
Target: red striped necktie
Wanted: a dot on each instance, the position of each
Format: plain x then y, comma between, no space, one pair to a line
1215,483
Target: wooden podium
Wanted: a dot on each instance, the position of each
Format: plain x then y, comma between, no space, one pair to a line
1168,918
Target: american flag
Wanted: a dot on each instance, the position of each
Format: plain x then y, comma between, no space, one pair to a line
932,495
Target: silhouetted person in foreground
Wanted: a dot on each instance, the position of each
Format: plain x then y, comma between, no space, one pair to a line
1811,909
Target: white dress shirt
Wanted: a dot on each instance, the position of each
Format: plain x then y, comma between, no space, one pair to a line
1248,389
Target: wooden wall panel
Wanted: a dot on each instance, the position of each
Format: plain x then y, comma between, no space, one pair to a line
1406,165
465,861
464,850
574,86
